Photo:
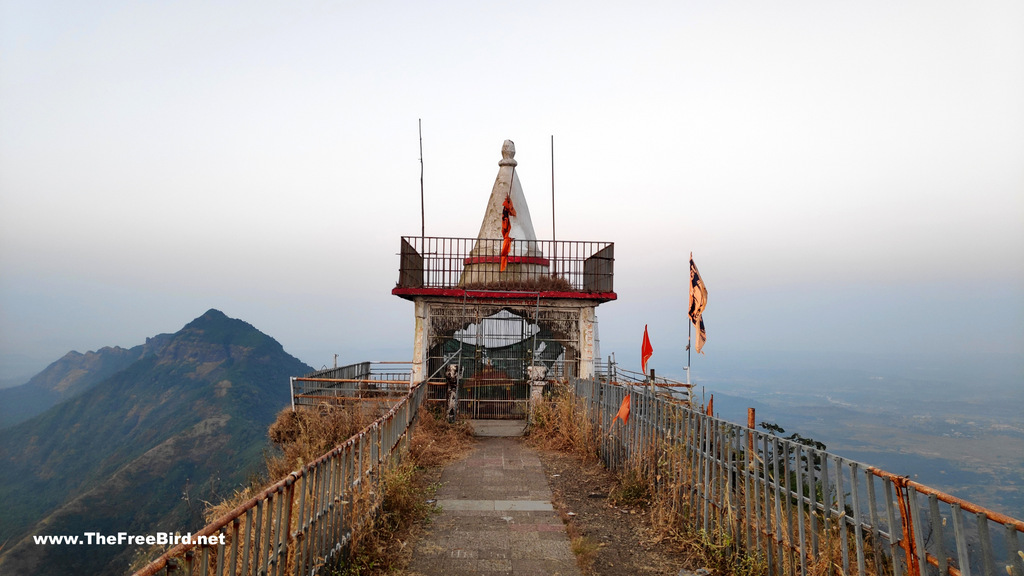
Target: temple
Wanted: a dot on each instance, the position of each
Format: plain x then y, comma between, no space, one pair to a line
511,312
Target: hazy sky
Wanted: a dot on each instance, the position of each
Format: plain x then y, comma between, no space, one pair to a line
847,175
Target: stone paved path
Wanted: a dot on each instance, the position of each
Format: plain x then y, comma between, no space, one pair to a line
496,518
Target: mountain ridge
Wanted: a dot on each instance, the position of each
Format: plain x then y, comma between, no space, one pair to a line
184,422
69,376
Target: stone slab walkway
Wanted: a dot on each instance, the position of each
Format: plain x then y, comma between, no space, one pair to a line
496,518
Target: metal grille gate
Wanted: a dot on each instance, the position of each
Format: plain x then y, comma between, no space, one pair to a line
492,353
494,345
495,384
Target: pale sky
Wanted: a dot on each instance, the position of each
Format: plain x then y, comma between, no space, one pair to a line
847,175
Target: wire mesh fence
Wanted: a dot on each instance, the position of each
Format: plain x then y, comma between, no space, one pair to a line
797,507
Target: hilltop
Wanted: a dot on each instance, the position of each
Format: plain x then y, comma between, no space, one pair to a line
151,435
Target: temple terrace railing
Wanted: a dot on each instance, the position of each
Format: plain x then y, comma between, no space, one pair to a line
304,521
364,381
799,509
536,265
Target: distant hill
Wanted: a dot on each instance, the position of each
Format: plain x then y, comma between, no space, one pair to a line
68,377
182,423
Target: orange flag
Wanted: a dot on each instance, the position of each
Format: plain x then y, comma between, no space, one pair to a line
645,351
623,411
698,301
507,211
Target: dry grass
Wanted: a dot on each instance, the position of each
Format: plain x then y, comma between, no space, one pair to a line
646,483
299,438
305,435
560,424
437,442
585,549
535,284
383,547
379,546
632,489
659,476
829,559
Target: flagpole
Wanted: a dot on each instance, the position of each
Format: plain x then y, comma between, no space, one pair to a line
689,323
689,326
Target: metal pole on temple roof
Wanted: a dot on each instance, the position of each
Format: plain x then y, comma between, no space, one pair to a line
552,187
423,212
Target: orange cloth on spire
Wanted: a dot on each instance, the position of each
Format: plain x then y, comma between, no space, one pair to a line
507,210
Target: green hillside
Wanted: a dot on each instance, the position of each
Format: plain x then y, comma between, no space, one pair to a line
142,450
68,377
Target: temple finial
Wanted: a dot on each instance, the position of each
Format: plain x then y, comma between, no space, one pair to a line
508,154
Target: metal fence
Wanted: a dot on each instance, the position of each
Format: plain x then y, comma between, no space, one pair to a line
611,372
471,263
364,381
798,508
305,521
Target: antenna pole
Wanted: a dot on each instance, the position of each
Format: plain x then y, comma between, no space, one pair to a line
423,211
552,187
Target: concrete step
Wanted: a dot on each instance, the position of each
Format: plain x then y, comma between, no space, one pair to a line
498,428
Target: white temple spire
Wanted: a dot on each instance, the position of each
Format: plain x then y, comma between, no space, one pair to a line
506,184
506,250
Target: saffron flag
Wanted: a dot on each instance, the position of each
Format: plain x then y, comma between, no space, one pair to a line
698,300
645,351
623,413
507,211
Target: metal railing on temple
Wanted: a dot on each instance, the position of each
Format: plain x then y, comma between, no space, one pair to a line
792,505
534,265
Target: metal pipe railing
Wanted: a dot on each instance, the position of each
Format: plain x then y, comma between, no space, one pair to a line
800,509
304,521
377,381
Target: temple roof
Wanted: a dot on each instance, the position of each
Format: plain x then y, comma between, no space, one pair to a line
506,260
